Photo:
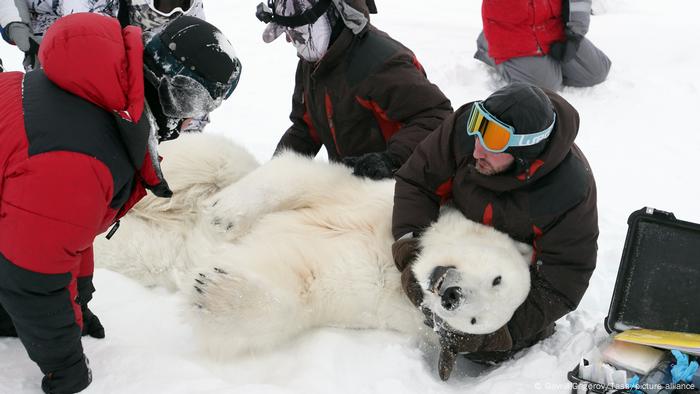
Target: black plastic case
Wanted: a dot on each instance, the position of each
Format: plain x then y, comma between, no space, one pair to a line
658,281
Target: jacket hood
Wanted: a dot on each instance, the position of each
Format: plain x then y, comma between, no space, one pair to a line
91,56
355,14
559,145
359,5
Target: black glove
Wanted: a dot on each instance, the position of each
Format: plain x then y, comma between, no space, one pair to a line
565,51
91,324
1,66
374,165
453,343
405,251
21,34
69,380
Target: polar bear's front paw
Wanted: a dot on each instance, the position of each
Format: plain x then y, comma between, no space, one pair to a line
231,221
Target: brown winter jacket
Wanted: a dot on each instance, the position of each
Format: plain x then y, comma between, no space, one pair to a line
367,94
551,206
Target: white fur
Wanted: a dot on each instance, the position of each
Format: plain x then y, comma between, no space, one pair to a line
480,254
150,243
266,253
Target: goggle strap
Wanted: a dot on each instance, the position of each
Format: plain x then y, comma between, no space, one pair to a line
532,139
305,18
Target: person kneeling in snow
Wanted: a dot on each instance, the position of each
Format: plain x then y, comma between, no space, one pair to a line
77,151
509,162
359,93
541,42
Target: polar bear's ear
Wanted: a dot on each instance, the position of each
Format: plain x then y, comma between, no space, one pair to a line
525,251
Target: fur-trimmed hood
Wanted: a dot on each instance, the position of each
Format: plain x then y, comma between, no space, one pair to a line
91,56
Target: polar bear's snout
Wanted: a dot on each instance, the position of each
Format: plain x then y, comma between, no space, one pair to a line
445,283
451,298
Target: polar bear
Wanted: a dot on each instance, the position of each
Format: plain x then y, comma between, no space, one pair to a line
265,253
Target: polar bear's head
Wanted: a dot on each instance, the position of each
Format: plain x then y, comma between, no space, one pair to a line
473,277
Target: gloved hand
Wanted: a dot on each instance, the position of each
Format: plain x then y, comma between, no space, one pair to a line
453,343
374,165
69,380
91,324
565,51
21,34
684,369
405,251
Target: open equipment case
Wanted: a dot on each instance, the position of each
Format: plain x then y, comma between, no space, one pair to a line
657,285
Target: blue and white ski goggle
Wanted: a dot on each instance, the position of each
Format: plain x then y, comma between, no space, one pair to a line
497,136
173,11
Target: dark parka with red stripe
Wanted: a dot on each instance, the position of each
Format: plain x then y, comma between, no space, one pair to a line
367,94
550,205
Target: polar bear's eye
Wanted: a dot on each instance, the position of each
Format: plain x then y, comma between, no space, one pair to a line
497,281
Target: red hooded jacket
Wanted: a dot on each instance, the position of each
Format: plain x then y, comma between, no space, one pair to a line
73,154
517,28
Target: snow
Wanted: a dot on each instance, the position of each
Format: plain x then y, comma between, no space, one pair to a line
638,129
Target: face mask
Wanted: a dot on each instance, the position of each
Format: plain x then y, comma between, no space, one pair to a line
310,39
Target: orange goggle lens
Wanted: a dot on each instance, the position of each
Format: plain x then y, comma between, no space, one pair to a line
494,136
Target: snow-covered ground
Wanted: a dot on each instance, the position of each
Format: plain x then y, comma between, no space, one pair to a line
637,129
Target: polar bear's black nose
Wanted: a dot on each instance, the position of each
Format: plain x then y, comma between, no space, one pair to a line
451,298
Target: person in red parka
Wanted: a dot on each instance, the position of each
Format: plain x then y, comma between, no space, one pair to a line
541,42
77,150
